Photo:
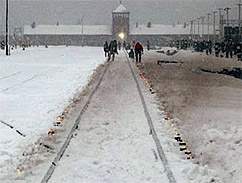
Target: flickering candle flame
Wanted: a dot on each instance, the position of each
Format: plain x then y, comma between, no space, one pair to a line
168,118
172,124
18,170
51,132
183,148
188,151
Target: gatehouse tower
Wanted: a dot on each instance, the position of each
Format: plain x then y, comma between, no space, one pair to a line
120,23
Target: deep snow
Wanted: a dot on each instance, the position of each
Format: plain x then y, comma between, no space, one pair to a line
35,87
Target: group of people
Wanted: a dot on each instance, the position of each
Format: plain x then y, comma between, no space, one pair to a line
136,49
183,44
226,49
229,48
110,49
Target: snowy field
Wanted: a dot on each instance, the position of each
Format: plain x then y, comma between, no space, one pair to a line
35,87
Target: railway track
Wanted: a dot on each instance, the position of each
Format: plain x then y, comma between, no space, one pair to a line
60,153
161,153
162,156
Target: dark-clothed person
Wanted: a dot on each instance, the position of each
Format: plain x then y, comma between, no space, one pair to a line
131,53
119,45
105,48
138,52
239,51
112,50
124,45
148,45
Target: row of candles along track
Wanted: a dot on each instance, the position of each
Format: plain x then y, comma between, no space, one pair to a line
177,136
59,119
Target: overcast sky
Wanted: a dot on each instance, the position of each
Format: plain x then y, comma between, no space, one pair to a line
24,12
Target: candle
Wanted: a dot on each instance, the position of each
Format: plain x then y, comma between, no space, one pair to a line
188,152
183,148
182,143
51,132
18,170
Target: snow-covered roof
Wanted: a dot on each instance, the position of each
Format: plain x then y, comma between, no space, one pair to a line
121,9
159,29
67,30
155,29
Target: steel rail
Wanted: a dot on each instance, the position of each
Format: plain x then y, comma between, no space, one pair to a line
152,129
59,155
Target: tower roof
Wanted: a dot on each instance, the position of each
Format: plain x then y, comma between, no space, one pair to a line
121,9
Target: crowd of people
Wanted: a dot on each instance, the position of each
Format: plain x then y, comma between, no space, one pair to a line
226,49
135,49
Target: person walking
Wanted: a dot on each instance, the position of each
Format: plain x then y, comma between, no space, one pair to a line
231,50
124,45
217,50
112,50
119,45
105,48
148,45
138,52
239,51
131,54
227,48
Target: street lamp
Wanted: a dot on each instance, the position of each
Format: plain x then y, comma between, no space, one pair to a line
214,31
82,31
220,24
240,4
208,25
227,11
202,25
198,26
7,29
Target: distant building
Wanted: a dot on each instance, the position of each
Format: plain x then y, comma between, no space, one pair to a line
96,35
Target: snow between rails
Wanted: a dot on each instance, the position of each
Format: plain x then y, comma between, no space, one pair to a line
153,132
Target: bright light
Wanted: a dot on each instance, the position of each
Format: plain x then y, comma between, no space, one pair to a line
121,35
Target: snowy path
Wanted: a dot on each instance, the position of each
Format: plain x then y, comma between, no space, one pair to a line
112,143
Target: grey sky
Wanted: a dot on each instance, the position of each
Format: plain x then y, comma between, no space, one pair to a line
99,11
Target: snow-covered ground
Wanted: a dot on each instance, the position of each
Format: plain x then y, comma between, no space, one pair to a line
35,87
113,143
206,108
